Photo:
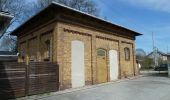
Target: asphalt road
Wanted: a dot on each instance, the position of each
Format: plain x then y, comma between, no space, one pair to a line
149,87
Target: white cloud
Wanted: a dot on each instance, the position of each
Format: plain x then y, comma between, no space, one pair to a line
159,5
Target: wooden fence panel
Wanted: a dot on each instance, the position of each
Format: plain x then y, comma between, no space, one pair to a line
18,79
12,80
43,77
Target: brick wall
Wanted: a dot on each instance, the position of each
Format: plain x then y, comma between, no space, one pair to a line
31,46
93,40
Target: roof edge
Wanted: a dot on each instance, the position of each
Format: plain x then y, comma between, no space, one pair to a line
84,13
55,3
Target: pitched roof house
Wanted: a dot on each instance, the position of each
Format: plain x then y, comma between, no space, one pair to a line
163,56
88,50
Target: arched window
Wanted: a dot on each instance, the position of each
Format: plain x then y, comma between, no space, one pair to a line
101,52
127,53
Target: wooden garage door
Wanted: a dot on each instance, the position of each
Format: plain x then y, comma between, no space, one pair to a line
101,66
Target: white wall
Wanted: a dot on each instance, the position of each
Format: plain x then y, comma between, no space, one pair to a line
77,67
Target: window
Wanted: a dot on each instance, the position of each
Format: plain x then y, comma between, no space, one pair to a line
48,50
127,53
101,52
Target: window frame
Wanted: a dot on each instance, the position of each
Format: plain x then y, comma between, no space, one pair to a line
127,54
48,48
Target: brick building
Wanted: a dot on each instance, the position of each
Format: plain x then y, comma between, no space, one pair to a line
89,50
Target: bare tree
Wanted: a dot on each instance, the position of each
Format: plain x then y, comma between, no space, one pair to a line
140,54
13,7
21,11
9,43
87,6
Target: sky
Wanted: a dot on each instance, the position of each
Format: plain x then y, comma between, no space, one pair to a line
143,16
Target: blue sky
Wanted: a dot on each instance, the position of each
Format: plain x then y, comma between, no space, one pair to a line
144,16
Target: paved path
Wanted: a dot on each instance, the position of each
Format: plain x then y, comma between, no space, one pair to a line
150,87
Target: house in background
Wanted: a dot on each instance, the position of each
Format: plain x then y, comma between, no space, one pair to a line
5,19
160,57
159,54
168,57
88,50
8,56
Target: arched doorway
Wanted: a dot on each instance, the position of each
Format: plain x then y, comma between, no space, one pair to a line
101,66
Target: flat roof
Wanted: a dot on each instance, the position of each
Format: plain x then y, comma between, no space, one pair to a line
74,10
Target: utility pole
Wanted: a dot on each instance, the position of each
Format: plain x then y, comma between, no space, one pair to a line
154,51
167,49
153,42
153,45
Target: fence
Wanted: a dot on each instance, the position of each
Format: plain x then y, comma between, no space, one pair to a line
18,79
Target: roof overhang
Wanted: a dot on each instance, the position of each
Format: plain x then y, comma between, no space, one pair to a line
5,19
55,8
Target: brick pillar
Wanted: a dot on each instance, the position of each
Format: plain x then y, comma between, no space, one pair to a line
136,70
58,52
59,49
94,77
119,53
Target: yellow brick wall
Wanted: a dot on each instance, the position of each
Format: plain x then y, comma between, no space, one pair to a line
92,40
127,67
64,54
33,43
43,45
